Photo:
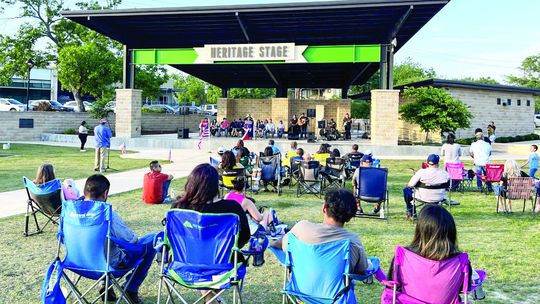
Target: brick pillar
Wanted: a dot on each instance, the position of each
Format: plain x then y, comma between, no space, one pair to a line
223,105
384,117
128,113
281,111
319,115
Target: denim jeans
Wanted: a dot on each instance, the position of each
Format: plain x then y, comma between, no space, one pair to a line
166,185
481,170
280,133
267,132
408,197
532,172
303,131
147,255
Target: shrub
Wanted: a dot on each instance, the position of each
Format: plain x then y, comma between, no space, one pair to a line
70,131
508,139
465,141
149,110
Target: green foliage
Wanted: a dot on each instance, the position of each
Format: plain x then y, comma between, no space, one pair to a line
151,110
466,141
251,93
485,80
530,67
87,69
434,109
212,94
100,107
517,138
360,109
149,79
70,131
194,89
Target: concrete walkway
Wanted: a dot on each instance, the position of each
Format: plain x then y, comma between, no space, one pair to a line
183,161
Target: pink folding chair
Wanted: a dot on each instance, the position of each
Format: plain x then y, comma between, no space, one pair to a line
457,173
493,174
417,280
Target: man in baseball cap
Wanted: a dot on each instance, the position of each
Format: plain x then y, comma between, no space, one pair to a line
429,185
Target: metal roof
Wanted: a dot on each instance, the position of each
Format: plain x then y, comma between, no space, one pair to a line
312,23
443,83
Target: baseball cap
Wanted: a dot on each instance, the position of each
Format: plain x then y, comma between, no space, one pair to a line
366,158
221,150
433,159
103,120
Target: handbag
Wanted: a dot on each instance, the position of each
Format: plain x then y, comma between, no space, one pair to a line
50,290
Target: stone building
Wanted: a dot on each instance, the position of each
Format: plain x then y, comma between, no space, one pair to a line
510,108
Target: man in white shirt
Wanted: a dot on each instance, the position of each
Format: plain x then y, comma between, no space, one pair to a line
480,151
430,185
269,129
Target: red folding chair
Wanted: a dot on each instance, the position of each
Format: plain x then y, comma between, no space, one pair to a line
493,175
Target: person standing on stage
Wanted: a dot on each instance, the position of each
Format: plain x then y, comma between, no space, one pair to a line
293,126
102,134
303,122
347,123
248,125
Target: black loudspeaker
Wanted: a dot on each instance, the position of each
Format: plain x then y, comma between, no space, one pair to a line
183,133
291,136
321,124
311,113
311,137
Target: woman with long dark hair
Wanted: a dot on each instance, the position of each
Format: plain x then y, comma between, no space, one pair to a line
451,150
83,135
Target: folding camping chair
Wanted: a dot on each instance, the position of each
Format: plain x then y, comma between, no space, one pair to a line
45,199
493,174
518,188
373,188
334,174
294,171
444,201
417,280
214,162
271,171
310,181
319,273
228,177
85,233
200,252
457,173
353,162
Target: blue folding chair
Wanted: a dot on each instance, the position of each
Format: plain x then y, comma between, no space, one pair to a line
214,162
373,188
271,171
319,273
85,233
44,199
200,252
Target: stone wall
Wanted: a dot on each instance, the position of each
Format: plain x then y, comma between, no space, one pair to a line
59,122
281,108
511,120
384,117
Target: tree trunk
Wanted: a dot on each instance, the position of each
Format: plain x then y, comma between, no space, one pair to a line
77,96
427,136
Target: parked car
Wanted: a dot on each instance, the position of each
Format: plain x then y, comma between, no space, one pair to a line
52,104
161,107
209,109
537,120
73,104
188,110
9,104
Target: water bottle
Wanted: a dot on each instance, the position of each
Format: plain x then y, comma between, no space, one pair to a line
478,292
172,194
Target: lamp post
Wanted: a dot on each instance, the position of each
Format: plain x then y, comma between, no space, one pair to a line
30,64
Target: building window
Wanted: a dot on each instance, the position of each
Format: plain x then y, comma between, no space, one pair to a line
519,102
509,102
163,99
498,101
528,103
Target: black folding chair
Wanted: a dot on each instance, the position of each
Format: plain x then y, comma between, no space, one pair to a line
43,199
444,201
309,181
334,173
294,171
353,162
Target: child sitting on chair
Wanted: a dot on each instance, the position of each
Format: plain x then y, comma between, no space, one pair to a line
255,218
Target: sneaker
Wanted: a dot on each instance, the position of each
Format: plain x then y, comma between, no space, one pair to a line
220,300
168,200
82,150
133,297
111,295
375,210
96,169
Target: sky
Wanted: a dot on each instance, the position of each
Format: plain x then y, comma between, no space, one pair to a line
467,38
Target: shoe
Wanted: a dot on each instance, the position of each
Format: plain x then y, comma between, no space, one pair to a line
168,200
375,210
96,169
220,300
83,150
133,297
111,295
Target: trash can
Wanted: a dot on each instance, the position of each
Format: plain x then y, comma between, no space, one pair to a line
183,133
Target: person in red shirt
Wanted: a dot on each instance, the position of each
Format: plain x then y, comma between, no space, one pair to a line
156,185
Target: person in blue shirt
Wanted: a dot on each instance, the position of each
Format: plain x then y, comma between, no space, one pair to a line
533,161
272,145
102,134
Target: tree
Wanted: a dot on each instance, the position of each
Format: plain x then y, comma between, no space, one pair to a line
530,78
149,79
485,80
212,93
360,109
434,109
87,69
251,93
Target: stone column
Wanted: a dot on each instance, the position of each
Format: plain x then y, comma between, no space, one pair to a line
384,117
281,111
128,113
223,105
319,115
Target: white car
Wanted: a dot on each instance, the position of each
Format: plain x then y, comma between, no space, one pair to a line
8,104
537,120
73,104
209,109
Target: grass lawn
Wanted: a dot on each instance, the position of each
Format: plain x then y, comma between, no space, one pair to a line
23,160
506,246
